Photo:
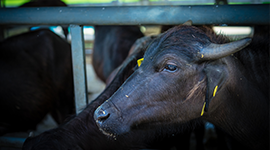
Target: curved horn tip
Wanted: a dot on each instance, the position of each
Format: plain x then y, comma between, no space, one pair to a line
216,51
243,42
188,23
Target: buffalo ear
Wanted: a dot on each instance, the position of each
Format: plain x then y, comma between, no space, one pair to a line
130,64
215,77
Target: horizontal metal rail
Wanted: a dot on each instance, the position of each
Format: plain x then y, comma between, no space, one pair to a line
138,15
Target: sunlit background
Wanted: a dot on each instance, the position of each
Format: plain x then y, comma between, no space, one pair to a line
234,32
15,3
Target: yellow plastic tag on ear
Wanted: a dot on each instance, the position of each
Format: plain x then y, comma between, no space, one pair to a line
215,91
203,108
139,61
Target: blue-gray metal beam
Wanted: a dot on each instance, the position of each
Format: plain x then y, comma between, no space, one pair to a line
138,15
79,69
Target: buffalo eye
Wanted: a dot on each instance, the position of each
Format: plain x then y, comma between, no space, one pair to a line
170,68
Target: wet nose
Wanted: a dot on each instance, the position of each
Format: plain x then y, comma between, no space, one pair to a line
101,115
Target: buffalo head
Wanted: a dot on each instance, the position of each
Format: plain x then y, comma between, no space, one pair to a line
181,72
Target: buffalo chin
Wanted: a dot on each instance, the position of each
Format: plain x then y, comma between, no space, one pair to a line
113,130
107,133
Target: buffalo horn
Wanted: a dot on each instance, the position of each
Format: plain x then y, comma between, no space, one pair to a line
216,51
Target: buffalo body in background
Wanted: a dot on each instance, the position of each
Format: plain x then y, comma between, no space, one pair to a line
36,78
111,47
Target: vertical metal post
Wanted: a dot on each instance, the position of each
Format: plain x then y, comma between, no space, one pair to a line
2,28
79,69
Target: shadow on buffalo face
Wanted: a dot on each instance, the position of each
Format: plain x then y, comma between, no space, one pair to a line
182,71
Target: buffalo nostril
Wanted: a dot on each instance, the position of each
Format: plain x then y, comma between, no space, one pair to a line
101,115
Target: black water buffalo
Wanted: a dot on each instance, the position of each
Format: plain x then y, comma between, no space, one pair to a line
81,132
35,79
111,47
191,73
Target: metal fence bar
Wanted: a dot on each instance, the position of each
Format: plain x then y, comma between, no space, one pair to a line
257,14
79,69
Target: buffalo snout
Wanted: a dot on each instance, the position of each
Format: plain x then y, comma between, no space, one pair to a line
108,119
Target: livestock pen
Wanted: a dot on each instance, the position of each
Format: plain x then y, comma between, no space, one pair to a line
77,17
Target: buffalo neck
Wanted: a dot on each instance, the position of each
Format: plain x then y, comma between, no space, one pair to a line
85,131
83,127
86,134
242,109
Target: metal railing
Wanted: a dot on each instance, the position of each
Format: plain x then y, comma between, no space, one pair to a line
137,15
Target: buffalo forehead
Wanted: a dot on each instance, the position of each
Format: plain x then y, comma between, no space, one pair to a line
182,45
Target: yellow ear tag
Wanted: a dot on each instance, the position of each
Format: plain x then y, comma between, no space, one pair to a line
215,91
139,61
203,108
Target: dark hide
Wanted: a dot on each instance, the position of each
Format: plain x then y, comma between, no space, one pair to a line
111,47
174,82
44,3
181,140
81,131
48,3
36,78
139,46
164,28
